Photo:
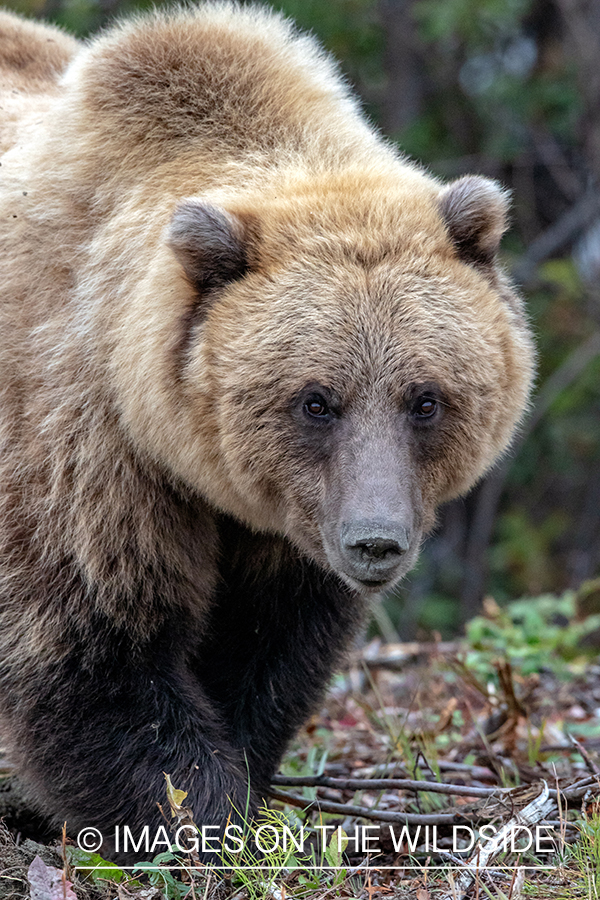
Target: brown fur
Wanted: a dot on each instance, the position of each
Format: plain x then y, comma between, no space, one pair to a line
196,223
31,59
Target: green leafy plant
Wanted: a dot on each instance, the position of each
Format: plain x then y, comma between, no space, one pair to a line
94,867
334,854
535,633
161,877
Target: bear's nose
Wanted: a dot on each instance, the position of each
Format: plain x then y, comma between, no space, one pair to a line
373,549
377,548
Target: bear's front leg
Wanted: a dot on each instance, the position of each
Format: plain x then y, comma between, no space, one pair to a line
96,735
278,630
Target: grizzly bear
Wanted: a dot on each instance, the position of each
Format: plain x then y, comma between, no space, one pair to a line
248,349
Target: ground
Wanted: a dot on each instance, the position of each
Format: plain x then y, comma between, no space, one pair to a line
464,734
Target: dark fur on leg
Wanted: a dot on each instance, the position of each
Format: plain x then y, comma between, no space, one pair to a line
275,635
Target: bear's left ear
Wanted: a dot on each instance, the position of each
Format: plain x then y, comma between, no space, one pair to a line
475,211
209,242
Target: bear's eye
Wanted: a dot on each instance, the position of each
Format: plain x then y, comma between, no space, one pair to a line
425,407
316,407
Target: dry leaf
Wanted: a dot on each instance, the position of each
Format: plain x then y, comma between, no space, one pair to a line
48,883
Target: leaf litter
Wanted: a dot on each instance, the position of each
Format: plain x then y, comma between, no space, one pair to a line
413,737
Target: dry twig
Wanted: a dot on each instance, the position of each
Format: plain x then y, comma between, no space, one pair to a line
365,812
402,784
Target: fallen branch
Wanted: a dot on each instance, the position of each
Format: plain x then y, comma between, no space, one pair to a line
578,788
573,791
397,769
365,812
395,656
402,784
591,765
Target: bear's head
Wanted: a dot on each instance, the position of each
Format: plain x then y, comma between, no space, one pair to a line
349,356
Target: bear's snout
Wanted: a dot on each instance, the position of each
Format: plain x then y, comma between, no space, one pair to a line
373,551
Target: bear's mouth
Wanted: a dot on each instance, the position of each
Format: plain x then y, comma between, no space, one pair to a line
369,585
376,584
372,556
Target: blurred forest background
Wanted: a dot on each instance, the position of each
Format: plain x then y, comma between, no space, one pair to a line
509,89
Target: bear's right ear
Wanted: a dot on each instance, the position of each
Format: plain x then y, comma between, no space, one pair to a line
210,244
475,211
